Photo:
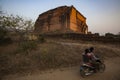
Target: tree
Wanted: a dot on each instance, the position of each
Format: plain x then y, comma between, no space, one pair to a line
119,33
109,34
16,24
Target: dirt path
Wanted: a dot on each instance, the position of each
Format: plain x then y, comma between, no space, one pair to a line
112,72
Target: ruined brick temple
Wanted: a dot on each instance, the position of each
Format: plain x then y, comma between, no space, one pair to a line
63,19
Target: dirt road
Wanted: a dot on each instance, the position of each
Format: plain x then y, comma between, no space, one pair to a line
112,72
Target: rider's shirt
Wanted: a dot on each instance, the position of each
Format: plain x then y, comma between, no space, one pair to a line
86,58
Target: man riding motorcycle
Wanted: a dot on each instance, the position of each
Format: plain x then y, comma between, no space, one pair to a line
91,63
90,59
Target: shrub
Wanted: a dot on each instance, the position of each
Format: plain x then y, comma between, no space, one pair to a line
41,39
27,46
4,39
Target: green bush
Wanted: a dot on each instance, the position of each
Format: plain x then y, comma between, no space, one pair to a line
41,39
4,39
28,46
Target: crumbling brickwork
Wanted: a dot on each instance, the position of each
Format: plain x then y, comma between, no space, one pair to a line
62,19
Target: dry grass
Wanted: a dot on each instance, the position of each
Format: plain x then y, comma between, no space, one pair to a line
49,55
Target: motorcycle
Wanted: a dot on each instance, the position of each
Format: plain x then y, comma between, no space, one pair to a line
88,69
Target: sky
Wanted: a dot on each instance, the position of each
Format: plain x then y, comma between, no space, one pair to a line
103,16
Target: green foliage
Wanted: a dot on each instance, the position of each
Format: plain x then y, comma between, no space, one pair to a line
3,33
41,39
4,39
15,23
27,46
65,36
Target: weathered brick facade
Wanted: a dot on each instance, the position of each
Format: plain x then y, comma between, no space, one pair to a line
62,19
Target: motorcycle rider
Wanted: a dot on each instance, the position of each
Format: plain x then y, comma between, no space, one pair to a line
93,58
91,64
91,54
88,59
85,56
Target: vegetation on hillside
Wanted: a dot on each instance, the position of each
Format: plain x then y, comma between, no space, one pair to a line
48,55
10,24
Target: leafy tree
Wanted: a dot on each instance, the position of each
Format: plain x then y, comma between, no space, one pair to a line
15,24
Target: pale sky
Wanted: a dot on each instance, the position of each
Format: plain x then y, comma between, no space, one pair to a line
102,15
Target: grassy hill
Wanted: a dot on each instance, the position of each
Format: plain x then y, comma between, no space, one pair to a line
52,54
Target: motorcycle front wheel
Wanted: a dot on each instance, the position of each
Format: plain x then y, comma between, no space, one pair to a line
101,67
84,71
